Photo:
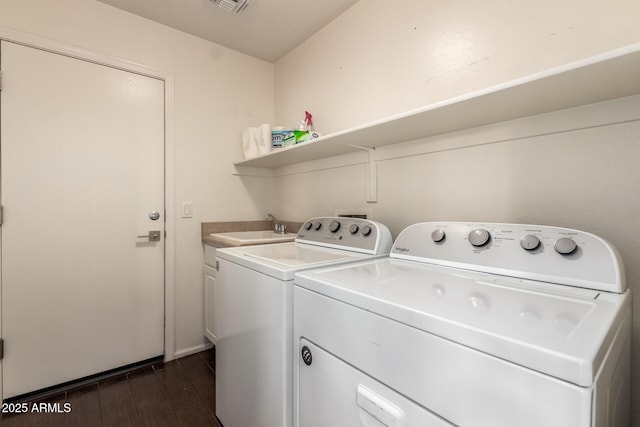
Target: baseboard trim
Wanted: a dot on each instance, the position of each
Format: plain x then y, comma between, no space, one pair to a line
192,350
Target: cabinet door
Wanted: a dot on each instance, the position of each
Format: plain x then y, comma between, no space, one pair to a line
209,303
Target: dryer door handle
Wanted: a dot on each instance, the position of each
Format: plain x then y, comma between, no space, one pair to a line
384,412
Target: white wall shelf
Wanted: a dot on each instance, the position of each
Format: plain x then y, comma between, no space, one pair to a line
607,76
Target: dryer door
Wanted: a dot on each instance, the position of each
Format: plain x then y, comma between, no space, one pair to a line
330,392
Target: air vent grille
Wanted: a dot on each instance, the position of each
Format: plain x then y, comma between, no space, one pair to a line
233,6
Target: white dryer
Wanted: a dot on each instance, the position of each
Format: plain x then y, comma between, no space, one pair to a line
254,314
469,325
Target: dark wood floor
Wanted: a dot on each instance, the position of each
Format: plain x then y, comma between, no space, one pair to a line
177,393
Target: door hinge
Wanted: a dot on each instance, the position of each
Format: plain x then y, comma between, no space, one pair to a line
1,348
1,214
0,80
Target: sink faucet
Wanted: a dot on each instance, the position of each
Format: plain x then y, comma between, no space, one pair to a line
278,228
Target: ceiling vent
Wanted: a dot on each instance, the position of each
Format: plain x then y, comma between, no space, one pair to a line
234,6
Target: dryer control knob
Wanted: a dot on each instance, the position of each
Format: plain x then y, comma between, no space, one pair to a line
334,226
307,226
354,228
366,230
479,237
317,225
438,235
565,246
529,242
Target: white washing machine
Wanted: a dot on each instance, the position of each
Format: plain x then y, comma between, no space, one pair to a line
468,325
254,314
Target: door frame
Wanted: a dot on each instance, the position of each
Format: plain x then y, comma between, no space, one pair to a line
54,46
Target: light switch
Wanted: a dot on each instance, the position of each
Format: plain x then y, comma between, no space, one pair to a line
187,209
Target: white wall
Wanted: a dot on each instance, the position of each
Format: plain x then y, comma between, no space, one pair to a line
380,58
575,168
208,116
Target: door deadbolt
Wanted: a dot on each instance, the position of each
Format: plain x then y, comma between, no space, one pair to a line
153,236
154,215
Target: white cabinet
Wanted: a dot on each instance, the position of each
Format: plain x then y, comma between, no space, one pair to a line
209,292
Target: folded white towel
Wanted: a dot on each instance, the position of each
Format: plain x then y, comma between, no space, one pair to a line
249,143
264,143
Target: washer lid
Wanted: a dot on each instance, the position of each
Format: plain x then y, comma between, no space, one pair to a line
281,260
558,330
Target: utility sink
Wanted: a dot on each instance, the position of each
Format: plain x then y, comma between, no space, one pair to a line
260,237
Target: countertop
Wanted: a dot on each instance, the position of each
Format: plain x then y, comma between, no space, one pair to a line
209,228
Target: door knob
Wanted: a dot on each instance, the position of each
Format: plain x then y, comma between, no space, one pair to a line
153,236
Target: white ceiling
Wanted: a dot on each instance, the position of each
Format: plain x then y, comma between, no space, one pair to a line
267,29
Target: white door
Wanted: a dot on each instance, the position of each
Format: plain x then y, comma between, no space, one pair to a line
81,168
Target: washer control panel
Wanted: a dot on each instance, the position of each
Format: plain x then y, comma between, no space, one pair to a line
355,234
551,254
